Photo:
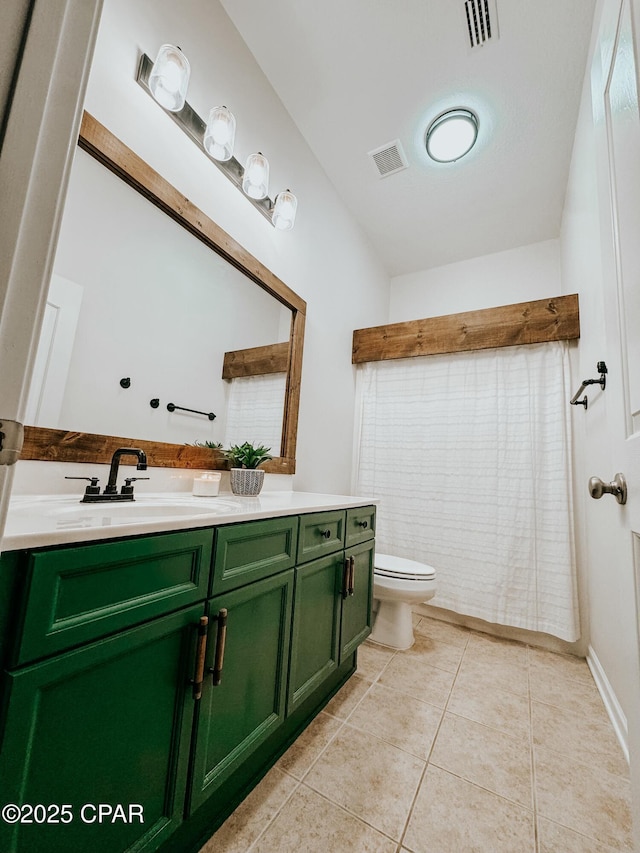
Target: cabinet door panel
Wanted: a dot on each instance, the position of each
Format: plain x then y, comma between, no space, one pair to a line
85,592
109,723
236,716
361,525
320,533
356,608
253,550
316,626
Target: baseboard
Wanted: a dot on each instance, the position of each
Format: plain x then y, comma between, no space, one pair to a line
611,704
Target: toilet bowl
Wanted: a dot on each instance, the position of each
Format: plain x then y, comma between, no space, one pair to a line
397,584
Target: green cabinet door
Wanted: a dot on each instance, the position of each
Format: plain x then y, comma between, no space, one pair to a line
357,600
103,726
316,626
248,705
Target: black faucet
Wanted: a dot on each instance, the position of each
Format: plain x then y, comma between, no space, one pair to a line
111,488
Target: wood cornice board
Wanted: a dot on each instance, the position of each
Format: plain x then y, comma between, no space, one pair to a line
534,322
256,361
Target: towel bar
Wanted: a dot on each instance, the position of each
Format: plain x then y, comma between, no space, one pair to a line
601,367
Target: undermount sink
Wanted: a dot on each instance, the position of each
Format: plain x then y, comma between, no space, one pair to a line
66,511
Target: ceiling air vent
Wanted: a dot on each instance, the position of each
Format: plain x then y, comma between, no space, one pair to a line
482,21
389,159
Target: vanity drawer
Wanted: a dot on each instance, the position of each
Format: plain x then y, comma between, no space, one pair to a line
253,550
320,533
361,525
78,594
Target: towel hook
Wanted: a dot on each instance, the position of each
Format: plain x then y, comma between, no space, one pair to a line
601,367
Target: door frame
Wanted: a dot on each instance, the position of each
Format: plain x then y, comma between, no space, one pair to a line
41,129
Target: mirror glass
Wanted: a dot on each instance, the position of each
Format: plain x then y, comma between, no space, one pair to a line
140,311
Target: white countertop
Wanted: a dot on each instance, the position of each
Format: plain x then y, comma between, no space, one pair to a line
37,521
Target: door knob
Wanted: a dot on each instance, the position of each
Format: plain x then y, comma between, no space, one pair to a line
617,487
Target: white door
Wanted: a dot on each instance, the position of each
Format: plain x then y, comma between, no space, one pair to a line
620,165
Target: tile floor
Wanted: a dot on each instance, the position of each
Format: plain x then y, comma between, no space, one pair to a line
463,743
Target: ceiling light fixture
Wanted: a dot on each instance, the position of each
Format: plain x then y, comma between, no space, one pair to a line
451,135
166,80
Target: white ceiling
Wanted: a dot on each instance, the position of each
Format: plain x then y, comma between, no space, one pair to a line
357,74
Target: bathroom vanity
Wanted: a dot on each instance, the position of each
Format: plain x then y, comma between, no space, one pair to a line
157,665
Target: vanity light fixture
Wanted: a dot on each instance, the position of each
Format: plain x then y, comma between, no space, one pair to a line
284,212
255,180
166,81
451,135
220,133
169,78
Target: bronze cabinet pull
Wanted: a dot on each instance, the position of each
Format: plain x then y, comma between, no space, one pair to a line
198,678
221,639
326,534
364,524
352,574
345,577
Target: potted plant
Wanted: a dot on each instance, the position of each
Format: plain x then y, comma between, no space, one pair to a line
246,477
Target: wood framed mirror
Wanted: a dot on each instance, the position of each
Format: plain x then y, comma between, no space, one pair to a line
49,443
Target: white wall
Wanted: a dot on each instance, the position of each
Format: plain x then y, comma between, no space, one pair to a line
325,259
518,275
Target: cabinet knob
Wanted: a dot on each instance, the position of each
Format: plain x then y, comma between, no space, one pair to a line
326,534
364,524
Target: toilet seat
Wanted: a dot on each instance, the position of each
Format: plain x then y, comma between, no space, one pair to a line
401,568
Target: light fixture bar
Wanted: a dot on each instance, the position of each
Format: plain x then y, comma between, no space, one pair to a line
191,123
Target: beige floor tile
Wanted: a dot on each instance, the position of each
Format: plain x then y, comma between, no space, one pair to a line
582,696
404,722
454,816
300,756
253,815
372,659
486,757
416,678
587,800
562,666
435,652
587,739
454,635
511,677
347,697
369,778
486,647
310,824
553,838
508,712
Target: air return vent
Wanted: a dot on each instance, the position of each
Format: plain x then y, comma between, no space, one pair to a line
482,21
389,159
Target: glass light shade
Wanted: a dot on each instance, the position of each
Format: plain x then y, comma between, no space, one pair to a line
220,133
452,135
284,211
255,181
169,78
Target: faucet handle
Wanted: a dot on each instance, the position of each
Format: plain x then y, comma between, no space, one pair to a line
127,489
93,488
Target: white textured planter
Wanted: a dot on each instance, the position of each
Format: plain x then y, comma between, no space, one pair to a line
246,481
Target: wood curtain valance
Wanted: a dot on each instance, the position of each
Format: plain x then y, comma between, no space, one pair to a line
256,361
555,319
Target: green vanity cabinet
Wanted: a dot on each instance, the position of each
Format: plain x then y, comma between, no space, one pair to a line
109,723
236,715
168,672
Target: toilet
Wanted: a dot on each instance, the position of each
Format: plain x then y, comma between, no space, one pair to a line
399,583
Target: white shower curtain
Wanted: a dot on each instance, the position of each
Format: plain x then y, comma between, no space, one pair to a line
470,455
255,409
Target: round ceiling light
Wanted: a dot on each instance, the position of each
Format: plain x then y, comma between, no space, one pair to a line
451,135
